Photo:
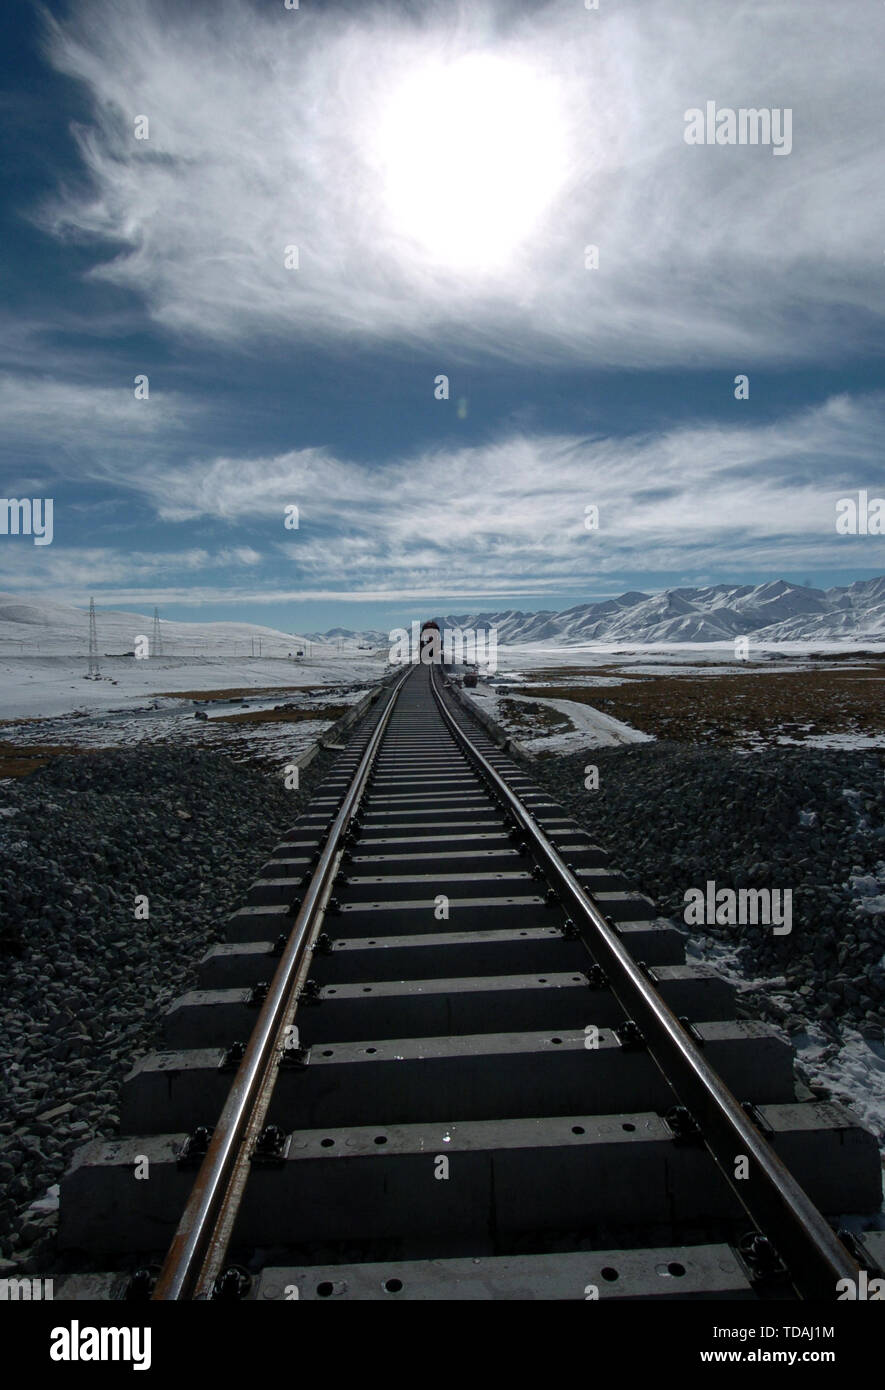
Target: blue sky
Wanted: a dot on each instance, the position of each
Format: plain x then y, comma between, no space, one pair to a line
441,170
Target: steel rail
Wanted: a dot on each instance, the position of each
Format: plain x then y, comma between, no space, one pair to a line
781,1210
197,1252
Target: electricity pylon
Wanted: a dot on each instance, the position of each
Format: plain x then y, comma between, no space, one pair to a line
94,673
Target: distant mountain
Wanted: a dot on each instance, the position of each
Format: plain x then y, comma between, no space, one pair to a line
345,634
774,612
43,627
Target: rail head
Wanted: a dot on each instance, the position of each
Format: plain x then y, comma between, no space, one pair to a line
782,1211
196,1256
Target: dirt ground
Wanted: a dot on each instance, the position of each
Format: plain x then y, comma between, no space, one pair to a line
734,707
287,715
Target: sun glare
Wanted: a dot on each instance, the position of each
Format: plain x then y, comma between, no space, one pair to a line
472,154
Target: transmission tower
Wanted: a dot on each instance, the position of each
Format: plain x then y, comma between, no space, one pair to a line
94,673
156,639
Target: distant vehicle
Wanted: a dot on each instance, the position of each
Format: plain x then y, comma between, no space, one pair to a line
430,642
470,679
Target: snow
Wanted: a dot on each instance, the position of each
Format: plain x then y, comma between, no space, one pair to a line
46,1204
711,659
843,741
44,698
852,1070
590,727
45,686
869,890
776,611
44,646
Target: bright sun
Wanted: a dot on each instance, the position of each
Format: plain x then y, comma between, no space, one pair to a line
473,154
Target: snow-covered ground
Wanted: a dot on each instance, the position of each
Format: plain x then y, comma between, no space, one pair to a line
45,696
843,741
590,727
675,658
852,1070
48,686
47,699
520,666
44,659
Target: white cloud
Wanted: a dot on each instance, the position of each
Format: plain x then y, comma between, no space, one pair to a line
508,517
87,569
267,128
39,410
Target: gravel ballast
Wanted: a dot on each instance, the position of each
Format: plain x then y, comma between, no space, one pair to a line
674,816
86,981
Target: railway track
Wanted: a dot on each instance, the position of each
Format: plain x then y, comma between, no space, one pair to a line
446,1053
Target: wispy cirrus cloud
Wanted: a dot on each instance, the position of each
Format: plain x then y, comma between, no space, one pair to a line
271,127
509,516
40,412
62,569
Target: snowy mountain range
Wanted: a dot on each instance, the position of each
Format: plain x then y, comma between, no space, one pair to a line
370,636
774,612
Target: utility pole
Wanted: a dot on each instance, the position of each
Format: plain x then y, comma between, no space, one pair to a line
94,673
156,639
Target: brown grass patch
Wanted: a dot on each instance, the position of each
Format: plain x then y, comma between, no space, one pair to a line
565,673
235,693
738,706
18,759
283,716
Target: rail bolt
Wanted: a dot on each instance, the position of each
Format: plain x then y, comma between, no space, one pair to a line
271,1147
295,1058
232,1057
232,1285
685,1127
761,1258
195,1147
139,1288
630,1036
